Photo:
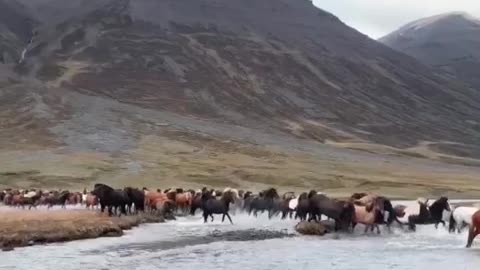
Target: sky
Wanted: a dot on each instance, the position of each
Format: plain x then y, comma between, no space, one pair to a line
377,18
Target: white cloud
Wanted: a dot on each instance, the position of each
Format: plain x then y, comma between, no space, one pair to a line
380,17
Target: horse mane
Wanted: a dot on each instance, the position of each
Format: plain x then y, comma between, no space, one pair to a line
99,185
179,190
303,196
312,193
247,194
358,195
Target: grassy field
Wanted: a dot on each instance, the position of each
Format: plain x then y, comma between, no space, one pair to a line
178,160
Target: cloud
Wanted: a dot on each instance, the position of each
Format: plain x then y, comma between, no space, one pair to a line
380,17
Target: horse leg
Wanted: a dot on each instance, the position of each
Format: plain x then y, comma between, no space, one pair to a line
211,215
205,217
472,233
378,228
223,217
366,229
229,218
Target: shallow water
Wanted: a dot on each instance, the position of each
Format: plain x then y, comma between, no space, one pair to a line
189,244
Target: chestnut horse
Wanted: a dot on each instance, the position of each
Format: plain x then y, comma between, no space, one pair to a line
474,228
183,201
91,201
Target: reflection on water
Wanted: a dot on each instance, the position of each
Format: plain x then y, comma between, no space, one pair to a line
189,244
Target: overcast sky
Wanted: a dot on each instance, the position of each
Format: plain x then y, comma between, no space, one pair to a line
377,18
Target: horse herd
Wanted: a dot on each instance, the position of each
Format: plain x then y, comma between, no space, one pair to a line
369,209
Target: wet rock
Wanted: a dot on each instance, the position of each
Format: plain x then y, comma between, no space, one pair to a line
8,248
311,228
250,235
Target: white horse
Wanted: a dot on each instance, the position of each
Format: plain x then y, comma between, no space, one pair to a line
461,217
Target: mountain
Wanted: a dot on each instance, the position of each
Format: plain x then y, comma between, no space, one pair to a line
450,42
115,89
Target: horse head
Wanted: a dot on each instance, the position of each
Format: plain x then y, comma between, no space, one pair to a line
445,204
228,197
271,193
207,196
303,196
312,193
288,196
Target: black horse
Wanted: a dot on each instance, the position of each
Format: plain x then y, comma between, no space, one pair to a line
211,205
137,198
430,215
247,201
111,198
303,207
265,201
340,211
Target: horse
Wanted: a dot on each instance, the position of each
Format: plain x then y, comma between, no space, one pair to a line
429,215
460,218
57,199
75,198
183,200
341,211
31,199
211,205
137,198
247,201
301,206
111,198
474,229
264,202
152,198
196,202
366,215
91,200
237,196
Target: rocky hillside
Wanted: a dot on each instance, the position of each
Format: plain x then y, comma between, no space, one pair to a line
450,42
109,76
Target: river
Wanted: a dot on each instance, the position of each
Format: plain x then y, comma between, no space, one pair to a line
187,243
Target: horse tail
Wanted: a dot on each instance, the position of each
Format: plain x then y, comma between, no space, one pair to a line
452,223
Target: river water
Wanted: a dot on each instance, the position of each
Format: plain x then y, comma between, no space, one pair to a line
187,243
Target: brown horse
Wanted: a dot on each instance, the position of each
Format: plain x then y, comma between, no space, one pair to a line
91,201
474,228
20,200
184,201
366,215
153,199
75,198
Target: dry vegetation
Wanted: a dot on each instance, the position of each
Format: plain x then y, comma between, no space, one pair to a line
23,228
180,159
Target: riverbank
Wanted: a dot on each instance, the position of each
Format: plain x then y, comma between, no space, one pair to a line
26,228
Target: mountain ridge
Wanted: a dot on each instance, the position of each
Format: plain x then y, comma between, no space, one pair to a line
111,77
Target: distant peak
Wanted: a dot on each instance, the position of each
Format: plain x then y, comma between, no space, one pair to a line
428,22
434,19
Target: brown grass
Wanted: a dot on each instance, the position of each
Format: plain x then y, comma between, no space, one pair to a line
185,160
23,228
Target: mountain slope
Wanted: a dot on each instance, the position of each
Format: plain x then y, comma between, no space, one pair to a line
110,77
449,41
